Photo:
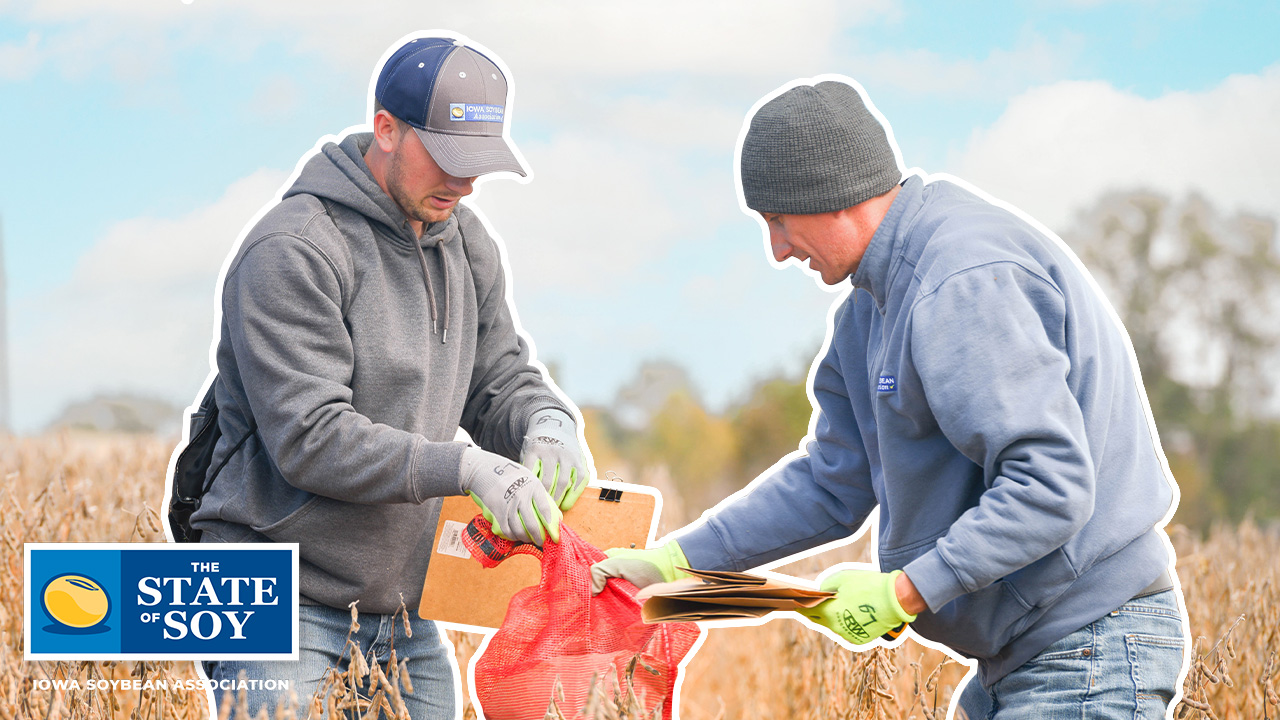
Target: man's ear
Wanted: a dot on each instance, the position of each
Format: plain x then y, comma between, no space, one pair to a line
386,131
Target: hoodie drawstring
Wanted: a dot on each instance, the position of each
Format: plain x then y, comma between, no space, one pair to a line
444,261
431,296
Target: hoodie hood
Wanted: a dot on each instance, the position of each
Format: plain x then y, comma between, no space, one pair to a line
338,173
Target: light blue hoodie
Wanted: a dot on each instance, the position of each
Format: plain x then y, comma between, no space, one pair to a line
975,388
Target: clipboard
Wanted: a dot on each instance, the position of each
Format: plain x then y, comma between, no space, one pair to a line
460,591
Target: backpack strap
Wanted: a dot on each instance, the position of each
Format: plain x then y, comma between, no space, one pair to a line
192,477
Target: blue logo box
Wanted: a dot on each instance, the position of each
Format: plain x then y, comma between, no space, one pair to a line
475,112
136,601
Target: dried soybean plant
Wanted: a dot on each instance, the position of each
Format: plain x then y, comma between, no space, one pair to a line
367,689
609,699
1231,583
925,690
1207,669
81,488
71,488
822,679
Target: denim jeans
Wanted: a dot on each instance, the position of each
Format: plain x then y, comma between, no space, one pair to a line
1125,665
322,634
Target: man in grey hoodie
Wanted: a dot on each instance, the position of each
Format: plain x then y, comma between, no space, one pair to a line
364,321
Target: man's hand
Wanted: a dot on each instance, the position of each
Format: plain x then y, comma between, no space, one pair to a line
639,567
510,497
865,606
552,452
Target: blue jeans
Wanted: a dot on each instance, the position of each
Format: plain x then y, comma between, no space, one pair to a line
1124,665
322,635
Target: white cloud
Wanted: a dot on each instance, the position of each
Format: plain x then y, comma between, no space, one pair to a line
570,38
696,67
19,60
708,38
62,11
595,213
276,98
680,120
1057,148
1001,73
127,53
137,313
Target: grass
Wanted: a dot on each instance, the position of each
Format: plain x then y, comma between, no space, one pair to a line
85,488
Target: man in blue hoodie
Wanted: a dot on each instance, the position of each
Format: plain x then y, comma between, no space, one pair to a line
364,321
977,388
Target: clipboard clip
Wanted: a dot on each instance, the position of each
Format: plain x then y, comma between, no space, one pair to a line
610,494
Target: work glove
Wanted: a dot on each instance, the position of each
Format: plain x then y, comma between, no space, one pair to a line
511,498
552,452
639,567
865,606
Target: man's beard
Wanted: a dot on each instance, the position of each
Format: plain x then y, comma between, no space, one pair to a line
413,208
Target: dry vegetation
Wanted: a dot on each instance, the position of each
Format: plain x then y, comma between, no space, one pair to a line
86,488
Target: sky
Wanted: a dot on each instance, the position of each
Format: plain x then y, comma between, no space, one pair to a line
142,136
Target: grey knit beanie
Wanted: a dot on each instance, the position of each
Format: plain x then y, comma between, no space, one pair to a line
814,149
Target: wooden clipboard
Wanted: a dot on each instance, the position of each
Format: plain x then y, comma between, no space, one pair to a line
461,591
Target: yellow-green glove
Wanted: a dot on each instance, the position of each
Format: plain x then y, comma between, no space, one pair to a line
865,606
639,567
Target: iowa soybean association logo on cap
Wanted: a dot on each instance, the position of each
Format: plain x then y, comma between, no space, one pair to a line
160,601
476,112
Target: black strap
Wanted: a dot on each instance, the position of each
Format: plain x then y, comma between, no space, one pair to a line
208,481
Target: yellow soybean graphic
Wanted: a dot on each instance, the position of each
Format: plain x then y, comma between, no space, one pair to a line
75,601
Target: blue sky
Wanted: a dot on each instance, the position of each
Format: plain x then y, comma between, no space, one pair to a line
144,135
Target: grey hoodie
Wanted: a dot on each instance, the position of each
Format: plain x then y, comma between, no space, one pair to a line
359,350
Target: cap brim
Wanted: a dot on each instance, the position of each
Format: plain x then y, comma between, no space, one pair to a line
470,155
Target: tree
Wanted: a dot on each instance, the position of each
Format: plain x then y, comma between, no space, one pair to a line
769,424
696,446
1200,297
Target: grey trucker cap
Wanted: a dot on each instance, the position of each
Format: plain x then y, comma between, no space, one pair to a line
455,99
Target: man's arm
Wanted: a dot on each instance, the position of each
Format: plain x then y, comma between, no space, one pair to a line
815,498
988,345
505,391
282,308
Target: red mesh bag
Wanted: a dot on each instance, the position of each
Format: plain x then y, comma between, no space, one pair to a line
557,630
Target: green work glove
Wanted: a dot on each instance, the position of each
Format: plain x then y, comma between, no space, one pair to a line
511,498
552,452
864,608
639,567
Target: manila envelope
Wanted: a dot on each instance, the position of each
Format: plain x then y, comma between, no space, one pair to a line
722,595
